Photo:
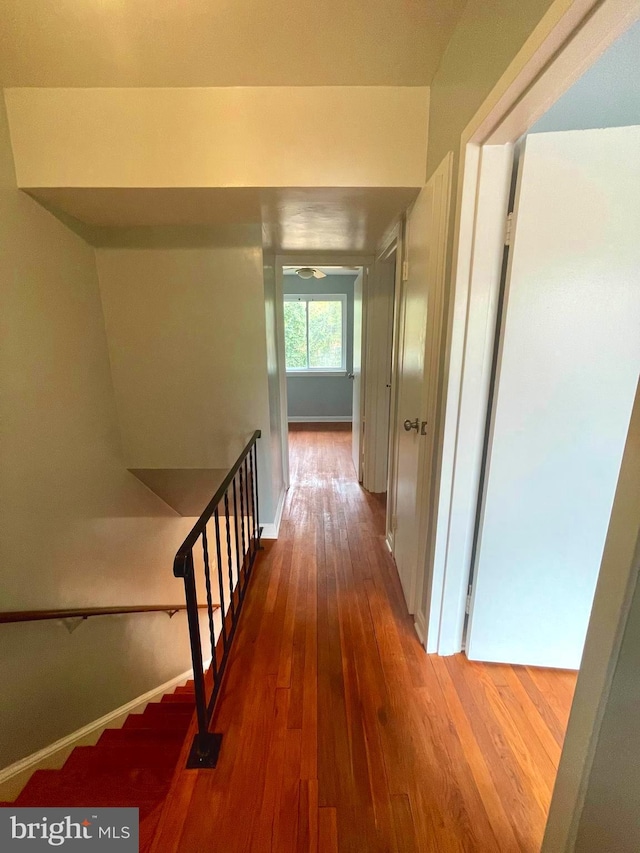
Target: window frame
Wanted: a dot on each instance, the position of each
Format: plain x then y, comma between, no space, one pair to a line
319,297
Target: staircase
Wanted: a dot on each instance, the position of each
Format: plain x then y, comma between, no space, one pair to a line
131,766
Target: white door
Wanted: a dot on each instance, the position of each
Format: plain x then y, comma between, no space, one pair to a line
420,324
357,426
567,373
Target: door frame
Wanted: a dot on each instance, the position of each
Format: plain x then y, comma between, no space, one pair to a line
568,40
312,259
389,320
417,596
365,287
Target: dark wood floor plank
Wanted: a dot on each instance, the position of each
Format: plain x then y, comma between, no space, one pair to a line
527,718
476,758
406,841
310,704
285,829
327,831
340,735
522,811
262,833
542,706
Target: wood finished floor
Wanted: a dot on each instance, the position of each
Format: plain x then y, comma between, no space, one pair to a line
340,734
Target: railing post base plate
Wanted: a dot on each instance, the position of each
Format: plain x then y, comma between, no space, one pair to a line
204,756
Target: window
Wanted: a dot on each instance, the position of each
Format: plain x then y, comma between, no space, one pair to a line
315,332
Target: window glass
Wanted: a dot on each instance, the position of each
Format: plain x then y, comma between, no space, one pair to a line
325,335
295,334
314,328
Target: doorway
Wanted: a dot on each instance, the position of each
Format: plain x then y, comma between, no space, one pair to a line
564,379
321,342
487,147
490,169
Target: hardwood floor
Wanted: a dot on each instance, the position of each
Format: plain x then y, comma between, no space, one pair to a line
340,734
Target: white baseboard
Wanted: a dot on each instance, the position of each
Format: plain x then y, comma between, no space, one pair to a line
270,531
320,419
14,777
420,624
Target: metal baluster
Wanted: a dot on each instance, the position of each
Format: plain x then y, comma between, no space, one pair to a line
206,745
235,522
244,553
216,517
255,451
207,578
204,751
251,550
254,533
229,558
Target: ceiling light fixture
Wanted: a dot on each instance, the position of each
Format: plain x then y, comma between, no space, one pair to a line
310,272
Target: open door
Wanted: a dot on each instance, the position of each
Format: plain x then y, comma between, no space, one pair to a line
419,334
358,408
567,372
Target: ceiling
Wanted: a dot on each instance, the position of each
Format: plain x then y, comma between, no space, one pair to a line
292,219
88,43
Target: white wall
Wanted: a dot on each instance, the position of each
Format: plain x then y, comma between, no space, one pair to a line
187,342
76,528
323,136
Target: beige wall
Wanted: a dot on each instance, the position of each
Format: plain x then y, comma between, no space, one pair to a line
187,342
609,819
77,528
485,40
227,137
595,799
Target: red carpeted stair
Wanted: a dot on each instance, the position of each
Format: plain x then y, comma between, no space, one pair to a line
131,766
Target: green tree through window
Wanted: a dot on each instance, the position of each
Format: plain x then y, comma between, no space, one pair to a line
313,333
295,334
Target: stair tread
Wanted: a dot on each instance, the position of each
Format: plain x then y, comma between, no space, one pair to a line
140,788
129,766
125,755
175,722
132,736
169,708
67,778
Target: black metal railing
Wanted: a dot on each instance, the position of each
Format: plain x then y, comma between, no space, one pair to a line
227,535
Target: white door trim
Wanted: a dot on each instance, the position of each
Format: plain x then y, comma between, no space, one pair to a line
380,313
397,243
433,359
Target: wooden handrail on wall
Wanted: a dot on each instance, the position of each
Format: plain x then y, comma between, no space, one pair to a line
88,612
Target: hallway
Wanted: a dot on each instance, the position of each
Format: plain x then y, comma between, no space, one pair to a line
339,733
